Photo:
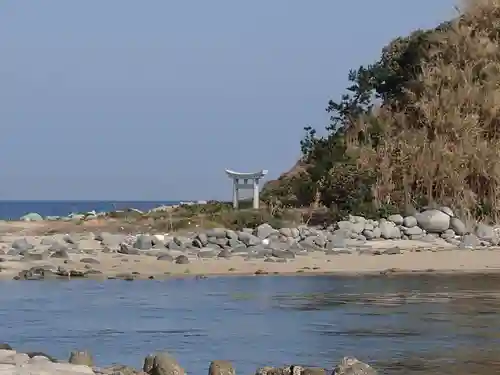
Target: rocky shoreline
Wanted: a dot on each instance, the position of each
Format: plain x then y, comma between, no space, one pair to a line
161,363
432,240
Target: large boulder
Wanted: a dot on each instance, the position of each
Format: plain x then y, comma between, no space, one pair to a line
433,221
389,230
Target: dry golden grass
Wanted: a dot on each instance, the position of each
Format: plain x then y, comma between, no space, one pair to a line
445,146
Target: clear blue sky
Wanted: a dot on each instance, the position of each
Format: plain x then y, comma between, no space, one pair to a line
127,99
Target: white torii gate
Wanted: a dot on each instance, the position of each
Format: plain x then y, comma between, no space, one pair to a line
246,177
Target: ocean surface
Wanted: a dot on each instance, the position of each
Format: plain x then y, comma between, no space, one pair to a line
12,210
401,325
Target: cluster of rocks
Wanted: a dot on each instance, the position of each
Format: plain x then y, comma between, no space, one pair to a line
161,363
435,228
426,226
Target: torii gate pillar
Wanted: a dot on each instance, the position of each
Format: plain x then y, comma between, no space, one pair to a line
250,181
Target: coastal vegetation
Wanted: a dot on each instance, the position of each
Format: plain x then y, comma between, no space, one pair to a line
418,127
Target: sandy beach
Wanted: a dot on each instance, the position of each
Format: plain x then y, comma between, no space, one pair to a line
45,250
376,257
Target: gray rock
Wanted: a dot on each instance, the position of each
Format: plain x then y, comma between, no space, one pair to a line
172,245
157,242
416,237
216,233
309,244
358,227
89,261
389,230
454,241
108,239
352,366
393,251
48,241
413,231
343,224
225,253
361,238
207,253
357,219
369,226
336,242
234,242
27,256
264,231
396,219
162,364
128,250
249,239
143,242
410,221
165,257
448,234
369,235
284,254
182,259
433,221
221,368
182,241
68,239
458,226
447,210
320,241
22,244
430,238
287,232
60,254
57,246
202,240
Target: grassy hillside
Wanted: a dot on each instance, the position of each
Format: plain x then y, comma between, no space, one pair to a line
417,127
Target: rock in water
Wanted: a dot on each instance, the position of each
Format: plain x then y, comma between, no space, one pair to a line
162,364
433,221
353,366
221,368
81,358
